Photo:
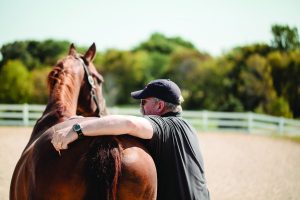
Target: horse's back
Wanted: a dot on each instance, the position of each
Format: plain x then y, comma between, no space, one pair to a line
42,173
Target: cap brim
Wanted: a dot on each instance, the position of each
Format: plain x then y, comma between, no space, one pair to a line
137,94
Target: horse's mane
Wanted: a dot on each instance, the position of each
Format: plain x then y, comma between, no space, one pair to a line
61,83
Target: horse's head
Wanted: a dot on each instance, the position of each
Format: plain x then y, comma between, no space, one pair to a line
90,101
77,86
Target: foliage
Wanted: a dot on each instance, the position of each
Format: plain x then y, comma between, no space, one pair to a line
121,68
15,82
255,77
39,82
278,107
187,68
255,85
17,51
285,38
285,73
34,54
164,45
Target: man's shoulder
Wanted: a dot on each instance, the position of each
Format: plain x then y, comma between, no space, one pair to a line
162,118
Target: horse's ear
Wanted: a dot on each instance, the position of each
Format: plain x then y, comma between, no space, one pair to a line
90,54
72,50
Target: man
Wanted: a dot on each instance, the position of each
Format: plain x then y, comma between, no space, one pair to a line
173,142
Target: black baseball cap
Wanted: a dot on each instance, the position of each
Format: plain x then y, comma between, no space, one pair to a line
163,89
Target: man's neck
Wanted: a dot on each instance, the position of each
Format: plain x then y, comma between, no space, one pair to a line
170,113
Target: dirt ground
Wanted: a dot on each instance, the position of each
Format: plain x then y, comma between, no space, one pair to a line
238,166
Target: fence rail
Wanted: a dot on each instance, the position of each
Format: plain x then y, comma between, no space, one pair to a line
26,115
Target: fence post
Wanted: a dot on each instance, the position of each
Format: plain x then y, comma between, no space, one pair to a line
25,114
281,125
250,121
205,120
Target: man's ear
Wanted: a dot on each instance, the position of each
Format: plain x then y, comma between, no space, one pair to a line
161,106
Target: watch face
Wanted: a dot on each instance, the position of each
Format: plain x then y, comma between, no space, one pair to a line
76,127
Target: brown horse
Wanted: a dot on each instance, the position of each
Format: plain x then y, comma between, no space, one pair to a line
105,167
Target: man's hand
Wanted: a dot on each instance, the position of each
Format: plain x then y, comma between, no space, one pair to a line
62,137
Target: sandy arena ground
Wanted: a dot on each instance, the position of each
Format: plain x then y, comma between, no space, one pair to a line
238,166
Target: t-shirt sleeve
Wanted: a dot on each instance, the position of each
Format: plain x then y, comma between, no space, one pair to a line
160,135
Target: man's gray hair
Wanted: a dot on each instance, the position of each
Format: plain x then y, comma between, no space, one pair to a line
170,106
173,107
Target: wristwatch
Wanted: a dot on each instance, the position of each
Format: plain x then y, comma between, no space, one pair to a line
78,130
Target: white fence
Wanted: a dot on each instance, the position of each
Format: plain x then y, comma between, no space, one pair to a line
26,115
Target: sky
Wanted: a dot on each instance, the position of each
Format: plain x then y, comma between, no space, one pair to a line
214,26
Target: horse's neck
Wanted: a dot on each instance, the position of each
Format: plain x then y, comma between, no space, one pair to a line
54,113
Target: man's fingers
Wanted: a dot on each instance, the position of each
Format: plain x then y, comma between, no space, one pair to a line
58,141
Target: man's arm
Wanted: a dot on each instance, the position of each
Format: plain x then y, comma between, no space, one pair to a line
108,125
118,125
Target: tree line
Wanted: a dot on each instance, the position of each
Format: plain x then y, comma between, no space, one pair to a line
260,77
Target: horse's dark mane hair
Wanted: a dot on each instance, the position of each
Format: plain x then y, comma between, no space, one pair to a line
60,84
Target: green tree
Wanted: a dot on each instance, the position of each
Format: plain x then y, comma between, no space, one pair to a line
164,45
49,51
17,51
122,73
202,80
98,61
154,65
15,83
255,84
33,53
39,94
285,73
251,76
285,38
277,107
292,88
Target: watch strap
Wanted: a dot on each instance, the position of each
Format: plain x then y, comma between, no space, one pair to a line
78,130
80,134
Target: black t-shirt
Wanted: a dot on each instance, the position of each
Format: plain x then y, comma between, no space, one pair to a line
175,150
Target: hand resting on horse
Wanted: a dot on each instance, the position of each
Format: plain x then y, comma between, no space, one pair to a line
107,125
61,138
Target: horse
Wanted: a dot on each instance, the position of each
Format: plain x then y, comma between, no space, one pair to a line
103,167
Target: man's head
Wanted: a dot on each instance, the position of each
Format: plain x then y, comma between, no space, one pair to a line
164,94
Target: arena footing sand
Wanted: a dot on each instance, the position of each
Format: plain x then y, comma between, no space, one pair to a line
238,166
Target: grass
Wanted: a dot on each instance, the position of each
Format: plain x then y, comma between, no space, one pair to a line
293,138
